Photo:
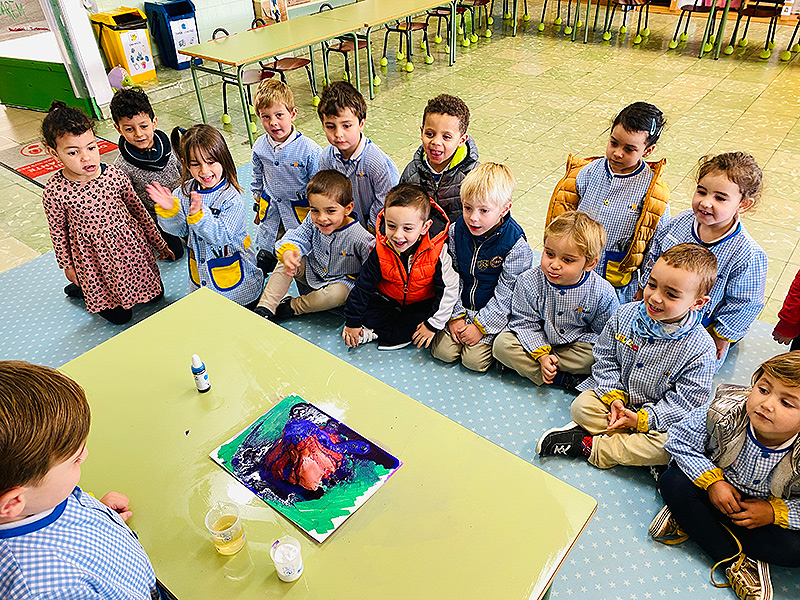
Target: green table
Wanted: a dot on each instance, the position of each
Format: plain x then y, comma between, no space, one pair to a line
461,518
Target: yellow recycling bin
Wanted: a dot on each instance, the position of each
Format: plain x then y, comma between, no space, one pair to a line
124,39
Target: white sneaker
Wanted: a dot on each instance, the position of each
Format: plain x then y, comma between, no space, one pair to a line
367,335
395,347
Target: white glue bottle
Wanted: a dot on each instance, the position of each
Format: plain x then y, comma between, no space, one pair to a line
200,375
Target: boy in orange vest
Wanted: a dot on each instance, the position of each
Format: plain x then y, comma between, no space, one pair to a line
407,287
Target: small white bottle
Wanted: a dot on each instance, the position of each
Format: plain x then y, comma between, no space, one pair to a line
200,374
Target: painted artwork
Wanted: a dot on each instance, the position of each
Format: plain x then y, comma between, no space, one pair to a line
305,464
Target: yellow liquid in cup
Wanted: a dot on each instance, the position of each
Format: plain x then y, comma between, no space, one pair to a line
233,540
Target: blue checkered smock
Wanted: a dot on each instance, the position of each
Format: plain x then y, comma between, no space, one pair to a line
82,550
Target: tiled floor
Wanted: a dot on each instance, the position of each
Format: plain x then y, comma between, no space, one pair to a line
534,98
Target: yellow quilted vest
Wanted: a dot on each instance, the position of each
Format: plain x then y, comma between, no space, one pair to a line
565,197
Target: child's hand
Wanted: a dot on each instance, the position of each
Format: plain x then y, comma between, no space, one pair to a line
781,339
118,503
725,497
165,254
754,513
456,327
195,203
72,276
470,335
638,295
621,417
291,260
422,336
257,209
350,336
549,367
160,195
719,343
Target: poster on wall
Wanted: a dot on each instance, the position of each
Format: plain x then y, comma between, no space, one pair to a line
184,33
137,51
21,18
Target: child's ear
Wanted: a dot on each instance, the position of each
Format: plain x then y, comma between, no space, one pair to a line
293,116
361,124
745,204
463,139
349,208
591,264
12,503
155,122
119,131
52,152
700,302
504,212
426,227
648,151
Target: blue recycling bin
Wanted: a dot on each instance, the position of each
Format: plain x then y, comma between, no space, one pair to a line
173,25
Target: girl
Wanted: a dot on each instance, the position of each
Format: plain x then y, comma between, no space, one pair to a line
622,192
209,209
727,185
101,232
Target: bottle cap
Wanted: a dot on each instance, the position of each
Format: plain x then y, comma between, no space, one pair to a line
196,362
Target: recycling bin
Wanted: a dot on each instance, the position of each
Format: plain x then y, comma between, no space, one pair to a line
174,26
125,42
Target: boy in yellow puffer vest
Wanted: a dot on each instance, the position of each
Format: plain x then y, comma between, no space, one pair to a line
622,192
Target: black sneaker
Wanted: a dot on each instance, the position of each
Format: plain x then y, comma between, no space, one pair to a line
284,309
73,291
562,441
263,311
656,471
568,381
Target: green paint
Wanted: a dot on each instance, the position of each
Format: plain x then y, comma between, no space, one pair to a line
15,10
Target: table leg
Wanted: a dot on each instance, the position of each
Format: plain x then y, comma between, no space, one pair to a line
711,16
356,68
325,65
197,91
453,30
586,25
313,67
245,108
721,32
370,73
577,18
514,16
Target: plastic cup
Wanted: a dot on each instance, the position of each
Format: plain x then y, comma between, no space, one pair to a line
225,527
286,554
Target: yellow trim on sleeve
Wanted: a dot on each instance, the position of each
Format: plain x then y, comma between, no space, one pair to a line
479,326
781,511
247,241
641,421
713,331
285,248
195,218
163,212
457,317
540,352
709,477
609,397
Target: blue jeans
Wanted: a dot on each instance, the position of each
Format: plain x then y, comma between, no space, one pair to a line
694,512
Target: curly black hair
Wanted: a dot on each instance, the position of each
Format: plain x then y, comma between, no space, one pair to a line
61,120
126,104
445,104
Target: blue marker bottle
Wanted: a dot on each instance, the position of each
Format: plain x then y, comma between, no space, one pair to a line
200,375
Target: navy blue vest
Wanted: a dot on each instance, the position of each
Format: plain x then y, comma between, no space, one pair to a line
480,260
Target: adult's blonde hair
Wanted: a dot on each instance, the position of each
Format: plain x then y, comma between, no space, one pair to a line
694,258
489,182
271,92
587,234
784,367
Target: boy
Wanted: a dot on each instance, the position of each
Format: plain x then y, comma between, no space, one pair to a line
343,112
622,192
57,541
284,161
734,483
560,308
323,255
654,363
446,155
145,153
490,252
407,288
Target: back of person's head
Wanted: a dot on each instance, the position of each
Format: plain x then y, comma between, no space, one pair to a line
739,168
203,141
784,367
586,233
409,194
44,420
489,182
331,184
642,116
61,120
128,103
694,258
445,104
271,92
339,96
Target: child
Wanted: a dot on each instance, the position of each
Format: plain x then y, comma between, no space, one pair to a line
734,483
57,541
407,288
343,112
727,185
560,308
654,363
324,254
102,235
283,162
622,192
787,331
490,251
208,208
145,153
446,155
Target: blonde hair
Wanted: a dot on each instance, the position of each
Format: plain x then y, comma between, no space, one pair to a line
271,92
588,235
784,367
740,168
489,182
694,258
44,420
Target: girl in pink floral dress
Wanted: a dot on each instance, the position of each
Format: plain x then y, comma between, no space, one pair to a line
101,232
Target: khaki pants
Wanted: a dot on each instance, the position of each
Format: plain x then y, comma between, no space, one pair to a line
619,447
325,298
572,358
475,358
